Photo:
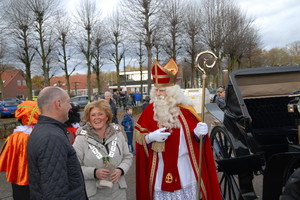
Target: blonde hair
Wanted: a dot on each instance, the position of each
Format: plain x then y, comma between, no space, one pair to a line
101,104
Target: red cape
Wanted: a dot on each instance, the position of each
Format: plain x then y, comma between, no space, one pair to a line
13,158
147,159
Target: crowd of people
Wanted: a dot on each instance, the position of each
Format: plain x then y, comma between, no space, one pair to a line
66,156
123,99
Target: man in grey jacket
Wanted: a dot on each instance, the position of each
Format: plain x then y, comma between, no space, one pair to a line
113,107
54,170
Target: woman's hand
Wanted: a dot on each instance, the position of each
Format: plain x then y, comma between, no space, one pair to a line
115,176
102,173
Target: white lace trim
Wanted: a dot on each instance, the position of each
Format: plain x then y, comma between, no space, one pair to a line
189,192
27,129
75,125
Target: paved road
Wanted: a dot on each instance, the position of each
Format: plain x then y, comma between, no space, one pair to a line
6,193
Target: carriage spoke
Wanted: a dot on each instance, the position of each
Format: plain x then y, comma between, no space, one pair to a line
223,148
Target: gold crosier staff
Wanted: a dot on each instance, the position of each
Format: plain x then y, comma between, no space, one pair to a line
202,104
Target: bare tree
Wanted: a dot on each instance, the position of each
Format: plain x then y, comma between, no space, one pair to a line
87,18
156,50
99,43
141,60
3,46
44,11
173,20
64,49
242,36
3,67
216,27
277,57
116,32
252,43
294,51
20,21
4,35
143,19
192,42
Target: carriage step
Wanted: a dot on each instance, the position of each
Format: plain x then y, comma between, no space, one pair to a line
239,165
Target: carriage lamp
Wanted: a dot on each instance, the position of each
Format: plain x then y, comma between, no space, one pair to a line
294,104
294,107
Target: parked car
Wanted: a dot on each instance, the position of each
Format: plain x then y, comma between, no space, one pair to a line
75,105
82,100
8,108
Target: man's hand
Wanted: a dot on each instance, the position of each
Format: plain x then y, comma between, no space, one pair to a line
157,136
201,129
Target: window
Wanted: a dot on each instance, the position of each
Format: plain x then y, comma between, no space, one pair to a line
24,82
19,82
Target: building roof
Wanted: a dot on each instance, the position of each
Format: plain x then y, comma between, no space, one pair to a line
78,80
130,82
8,75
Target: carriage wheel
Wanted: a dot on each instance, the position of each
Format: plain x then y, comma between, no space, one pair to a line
223,148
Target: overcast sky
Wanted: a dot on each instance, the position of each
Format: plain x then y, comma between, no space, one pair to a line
277,20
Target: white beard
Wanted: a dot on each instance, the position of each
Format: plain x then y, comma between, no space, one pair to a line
166,112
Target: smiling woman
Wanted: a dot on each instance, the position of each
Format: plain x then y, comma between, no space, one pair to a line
103,153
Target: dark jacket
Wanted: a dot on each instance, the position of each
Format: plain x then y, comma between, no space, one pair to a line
220,102
114,111
145,105
128,123
54,170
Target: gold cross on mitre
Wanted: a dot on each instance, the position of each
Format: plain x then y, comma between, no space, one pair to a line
164,76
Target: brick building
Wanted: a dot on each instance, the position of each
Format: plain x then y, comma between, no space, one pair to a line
14,84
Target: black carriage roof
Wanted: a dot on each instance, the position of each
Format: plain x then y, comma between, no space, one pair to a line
266,70
266,82
253,83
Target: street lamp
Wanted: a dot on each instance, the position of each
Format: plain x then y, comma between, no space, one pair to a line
124,66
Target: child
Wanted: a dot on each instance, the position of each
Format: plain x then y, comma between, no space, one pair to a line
73,123
146,103
128,124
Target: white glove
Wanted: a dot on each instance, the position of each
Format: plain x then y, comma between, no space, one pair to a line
157,136
201,129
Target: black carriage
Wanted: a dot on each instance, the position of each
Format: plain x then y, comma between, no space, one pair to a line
258,133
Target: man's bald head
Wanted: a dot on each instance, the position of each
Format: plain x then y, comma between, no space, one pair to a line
48,95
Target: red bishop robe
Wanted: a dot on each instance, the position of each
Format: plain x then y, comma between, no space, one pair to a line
13,158
147,157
